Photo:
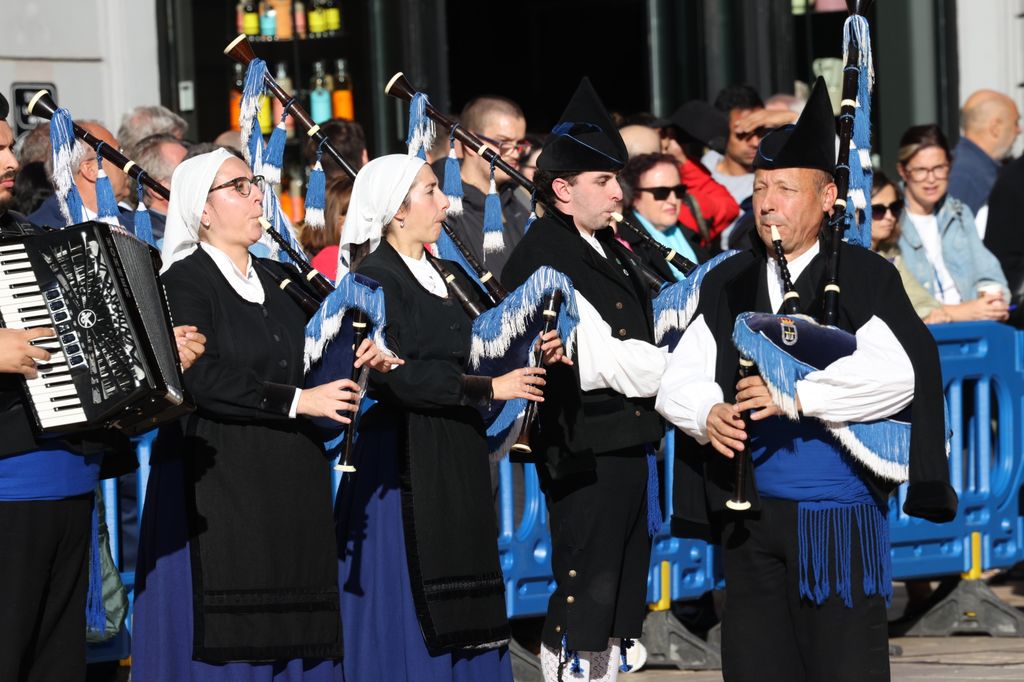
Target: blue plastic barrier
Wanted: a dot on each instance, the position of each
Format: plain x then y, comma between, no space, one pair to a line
984,383
983,375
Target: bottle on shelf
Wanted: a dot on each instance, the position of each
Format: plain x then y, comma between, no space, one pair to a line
320,96
250,18
235,102
285,81
240,17
316,20
283,10
264,116
332,17
299,12
341,98
268,24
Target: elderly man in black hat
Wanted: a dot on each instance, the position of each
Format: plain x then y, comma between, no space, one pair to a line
592,445
807,567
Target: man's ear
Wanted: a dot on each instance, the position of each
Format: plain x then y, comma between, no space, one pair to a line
89,169
560,188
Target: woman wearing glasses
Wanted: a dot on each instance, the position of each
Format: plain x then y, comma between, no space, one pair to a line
939,241
238,574
653,191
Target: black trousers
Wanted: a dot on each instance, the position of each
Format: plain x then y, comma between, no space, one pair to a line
770,633
600,552
44,554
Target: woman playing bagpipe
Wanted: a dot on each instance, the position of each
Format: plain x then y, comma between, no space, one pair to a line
423,594
807,567
237,574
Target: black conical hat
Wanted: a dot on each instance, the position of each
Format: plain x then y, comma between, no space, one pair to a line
5,108
585,138
808,143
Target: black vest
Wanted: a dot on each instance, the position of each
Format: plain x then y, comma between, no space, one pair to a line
574,425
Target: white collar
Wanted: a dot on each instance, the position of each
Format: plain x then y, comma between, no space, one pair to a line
247,285
425,274
592,240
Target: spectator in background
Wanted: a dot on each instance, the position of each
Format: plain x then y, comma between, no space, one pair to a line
145,121
32,187
345,136
886,209
990,123
322,245
500,123
229,139
640,139
1004,236
159,154
939,241
735,167
708,207
653,193
34,146
85,163
528,161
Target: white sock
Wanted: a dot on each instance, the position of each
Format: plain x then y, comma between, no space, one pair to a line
595,666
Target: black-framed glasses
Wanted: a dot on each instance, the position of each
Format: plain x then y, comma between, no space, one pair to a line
878,210
242,185
941,172
661,193
518,148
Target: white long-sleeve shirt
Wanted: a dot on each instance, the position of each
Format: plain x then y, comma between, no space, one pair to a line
628,366
874,382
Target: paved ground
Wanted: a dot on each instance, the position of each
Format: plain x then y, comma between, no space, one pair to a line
937,659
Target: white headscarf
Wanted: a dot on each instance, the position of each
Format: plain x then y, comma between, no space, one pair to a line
190,186
379,190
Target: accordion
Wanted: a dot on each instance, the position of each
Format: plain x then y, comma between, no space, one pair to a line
114,361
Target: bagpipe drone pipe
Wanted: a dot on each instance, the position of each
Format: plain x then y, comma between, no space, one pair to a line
503,334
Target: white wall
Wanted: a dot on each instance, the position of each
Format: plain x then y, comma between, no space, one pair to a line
101,54
991,46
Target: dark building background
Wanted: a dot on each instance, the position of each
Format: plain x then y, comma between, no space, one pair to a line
643,55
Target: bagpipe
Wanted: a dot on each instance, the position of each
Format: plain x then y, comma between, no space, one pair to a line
64,130
785,348
673,302
504,328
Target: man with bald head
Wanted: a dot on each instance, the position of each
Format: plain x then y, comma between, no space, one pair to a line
86,173
990,123
640,139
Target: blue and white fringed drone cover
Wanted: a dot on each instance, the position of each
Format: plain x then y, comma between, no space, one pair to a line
503,339
353,292
62,143
256,157
858,197
421,127
786,349
329,353
676,303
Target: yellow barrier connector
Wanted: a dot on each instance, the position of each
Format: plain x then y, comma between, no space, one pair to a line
975,572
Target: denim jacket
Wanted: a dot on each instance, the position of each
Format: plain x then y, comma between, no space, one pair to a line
968,261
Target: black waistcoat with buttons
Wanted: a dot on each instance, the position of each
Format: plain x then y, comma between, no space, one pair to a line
574,426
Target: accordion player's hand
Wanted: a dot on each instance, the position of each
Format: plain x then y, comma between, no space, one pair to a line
191,344
17,353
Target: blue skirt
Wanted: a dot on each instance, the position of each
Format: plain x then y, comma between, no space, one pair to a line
383,640
162,627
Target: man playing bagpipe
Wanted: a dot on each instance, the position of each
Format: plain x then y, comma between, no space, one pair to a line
807,565
594,446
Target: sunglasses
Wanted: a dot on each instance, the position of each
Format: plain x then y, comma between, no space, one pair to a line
878,210
661,193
